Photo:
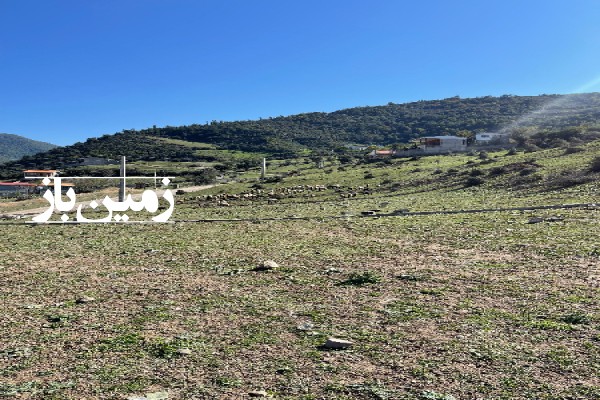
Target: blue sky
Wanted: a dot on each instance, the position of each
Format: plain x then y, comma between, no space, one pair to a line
72,69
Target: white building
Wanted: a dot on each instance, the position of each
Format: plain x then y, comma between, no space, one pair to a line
40,173
14,188
486,137
442,144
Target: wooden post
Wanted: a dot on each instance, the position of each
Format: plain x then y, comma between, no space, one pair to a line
122,183
263,170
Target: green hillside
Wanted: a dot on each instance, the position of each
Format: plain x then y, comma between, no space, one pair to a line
395,123
13,147
543,121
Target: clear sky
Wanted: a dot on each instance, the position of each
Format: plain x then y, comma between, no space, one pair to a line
73,69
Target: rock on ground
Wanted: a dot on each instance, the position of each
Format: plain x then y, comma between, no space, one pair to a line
335,343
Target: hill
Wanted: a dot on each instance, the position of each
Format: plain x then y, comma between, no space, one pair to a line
395,123
13,147
559,117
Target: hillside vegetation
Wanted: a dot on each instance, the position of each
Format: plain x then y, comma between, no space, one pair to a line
551,117
13,147
396,123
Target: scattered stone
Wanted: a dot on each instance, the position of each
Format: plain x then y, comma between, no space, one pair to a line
157,396
56,318
258,393
338,344
535,220
84,300
267,265
19,352
306,326
32,306
184,351
367,213
283,370
554,219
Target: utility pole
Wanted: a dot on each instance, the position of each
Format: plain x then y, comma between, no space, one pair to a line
122,180
263,170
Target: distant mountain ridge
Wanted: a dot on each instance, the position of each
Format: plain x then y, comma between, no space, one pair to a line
383,125
14,147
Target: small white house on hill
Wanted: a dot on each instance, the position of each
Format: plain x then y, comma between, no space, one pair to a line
40,173
442,144
487,137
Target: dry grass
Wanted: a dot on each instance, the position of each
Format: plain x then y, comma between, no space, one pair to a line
474,318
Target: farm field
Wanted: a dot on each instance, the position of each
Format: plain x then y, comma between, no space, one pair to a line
442,306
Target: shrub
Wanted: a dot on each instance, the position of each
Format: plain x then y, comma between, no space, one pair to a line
595,164
359,279
512,152
567,180
527,171
473,181
576,318
346,159
476,172
573,150
273,179
483,155
497,171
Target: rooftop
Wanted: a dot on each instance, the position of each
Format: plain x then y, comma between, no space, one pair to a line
17,184
442,137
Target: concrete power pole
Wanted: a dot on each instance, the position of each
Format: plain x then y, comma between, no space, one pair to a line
122,180
263,170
